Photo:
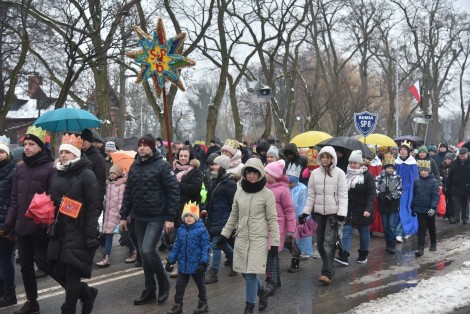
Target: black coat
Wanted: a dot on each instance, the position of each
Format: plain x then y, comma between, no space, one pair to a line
30,178
444,173
190,187
361,198
458,181
425,194
439,158
7,172
98,165
220,193
299,162
70,247
152,192
389,190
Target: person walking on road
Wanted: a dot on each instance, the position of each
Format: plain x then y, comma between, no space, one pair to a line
253,214
72,246
458,187
328,199
151,198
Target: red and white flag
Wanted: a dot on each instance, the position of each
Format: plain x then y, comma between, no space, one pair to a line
414,89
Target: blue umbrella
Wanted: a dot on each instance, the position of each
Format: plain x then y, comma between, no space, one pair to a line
67,119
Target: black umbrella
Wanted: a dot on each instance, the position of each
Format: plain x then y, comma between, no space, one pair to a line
349,144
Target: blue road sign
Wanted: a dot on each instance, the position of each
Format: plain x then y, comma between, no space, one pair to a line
365,122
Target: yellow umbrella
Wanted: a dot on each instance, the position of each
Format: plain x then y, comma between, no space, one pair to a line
379,140
310,138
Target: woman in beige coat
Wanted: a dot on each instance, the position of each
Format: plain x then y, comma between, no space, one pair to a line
328,199
253,214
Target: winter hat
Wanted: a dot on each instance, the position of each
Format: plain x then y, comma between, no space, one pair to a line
191,209
273,151
424,165
17,153
293,179
275,169
110,146
36,134
117,169
443,145
5,144
148,140
211,158
463,150
424,149
450,156
356,156
394,147
187,142
72,143
231,146
432,148
87,135
223,161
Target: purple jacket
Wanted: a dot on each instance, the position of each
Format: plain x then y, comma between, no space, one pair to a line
29,179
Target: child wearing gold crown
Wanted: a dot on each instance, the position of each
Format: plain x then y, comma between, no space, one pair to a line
425,199
191,251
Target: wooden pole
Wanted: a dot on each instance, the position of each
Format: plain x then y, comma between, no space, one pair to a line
167,123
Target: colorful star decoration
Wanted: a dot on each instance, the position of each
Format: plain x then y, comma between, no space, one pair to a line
160,58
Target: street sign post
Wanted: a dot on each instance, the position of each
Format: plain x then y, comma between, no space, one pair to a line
365,122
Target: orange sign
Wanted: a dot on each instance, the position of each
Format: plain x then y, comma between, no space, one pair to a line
70,207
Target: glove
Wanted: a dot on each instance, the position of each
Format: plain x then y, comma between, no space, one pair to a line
221,242
431,212
273,251
340,218
169,266
302,218
92,243
202,268
204,213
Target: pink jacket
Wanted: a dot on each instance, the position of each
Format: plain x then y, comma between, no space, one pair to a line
114,194
284,207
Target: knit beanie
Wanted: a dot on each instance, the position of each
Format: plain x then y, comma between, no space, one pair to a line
443,145
450,156
273,151
71,143
36,134
87,135
293,179
148,140
223,161
230,149
190,209
5,144
356,156
275,169
110,146
117,169
432,148
423,149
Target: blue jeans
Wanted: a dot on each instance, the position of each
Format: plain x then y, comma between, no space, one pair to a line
216,253
108,243
364,237
389,222
399,231
253,285
148,234
128,240
7,268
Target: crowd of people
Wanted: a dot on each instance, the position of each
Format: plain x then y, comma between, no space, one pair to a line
247,202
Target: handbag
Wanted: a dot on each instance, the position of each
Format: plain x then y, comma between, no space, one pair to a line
305,230
441,206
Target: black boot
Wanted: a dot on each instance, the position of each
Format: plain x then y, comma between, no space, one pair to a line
263,300
176,309
362,259
270,288
391,248
87,297
147,296
419,252
343,258
202,307
8,298
30,307
294,265
249,308
163,291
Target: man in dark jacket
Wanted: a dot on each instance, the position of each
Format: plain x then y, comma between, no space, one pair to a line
213,147
151,198
33,176
295,163
98,163
440,155
458,187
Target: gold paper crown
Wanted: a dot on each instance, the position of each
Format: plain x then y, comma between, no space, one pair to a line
38,132
424,164
191,208
232,143
389,159
406,143
72,140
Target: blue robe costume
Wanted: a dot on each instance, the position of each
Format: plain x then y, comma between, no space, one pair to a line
299,197
408,171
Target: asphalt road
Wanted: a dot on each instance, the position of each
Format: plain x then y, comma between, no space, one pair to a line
301,292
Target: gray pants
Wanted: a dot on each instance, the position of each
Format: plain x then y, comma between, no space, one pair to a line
327,234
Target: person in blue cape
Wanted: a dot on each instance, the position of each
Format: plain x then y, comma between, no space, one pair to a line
407,169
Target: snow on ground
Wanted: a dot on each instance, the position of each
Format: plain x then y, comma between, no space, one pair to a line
440,294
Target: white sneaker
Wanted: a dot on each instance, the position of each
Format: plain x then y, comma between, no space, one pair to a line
407,237
316,255
304,257
399,239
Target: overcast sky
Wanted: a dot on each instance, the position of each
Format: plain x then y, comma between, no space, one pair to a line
464,4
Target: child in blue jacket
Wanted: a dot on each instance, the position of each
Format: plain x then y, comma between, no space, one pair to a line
424,204
191,251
